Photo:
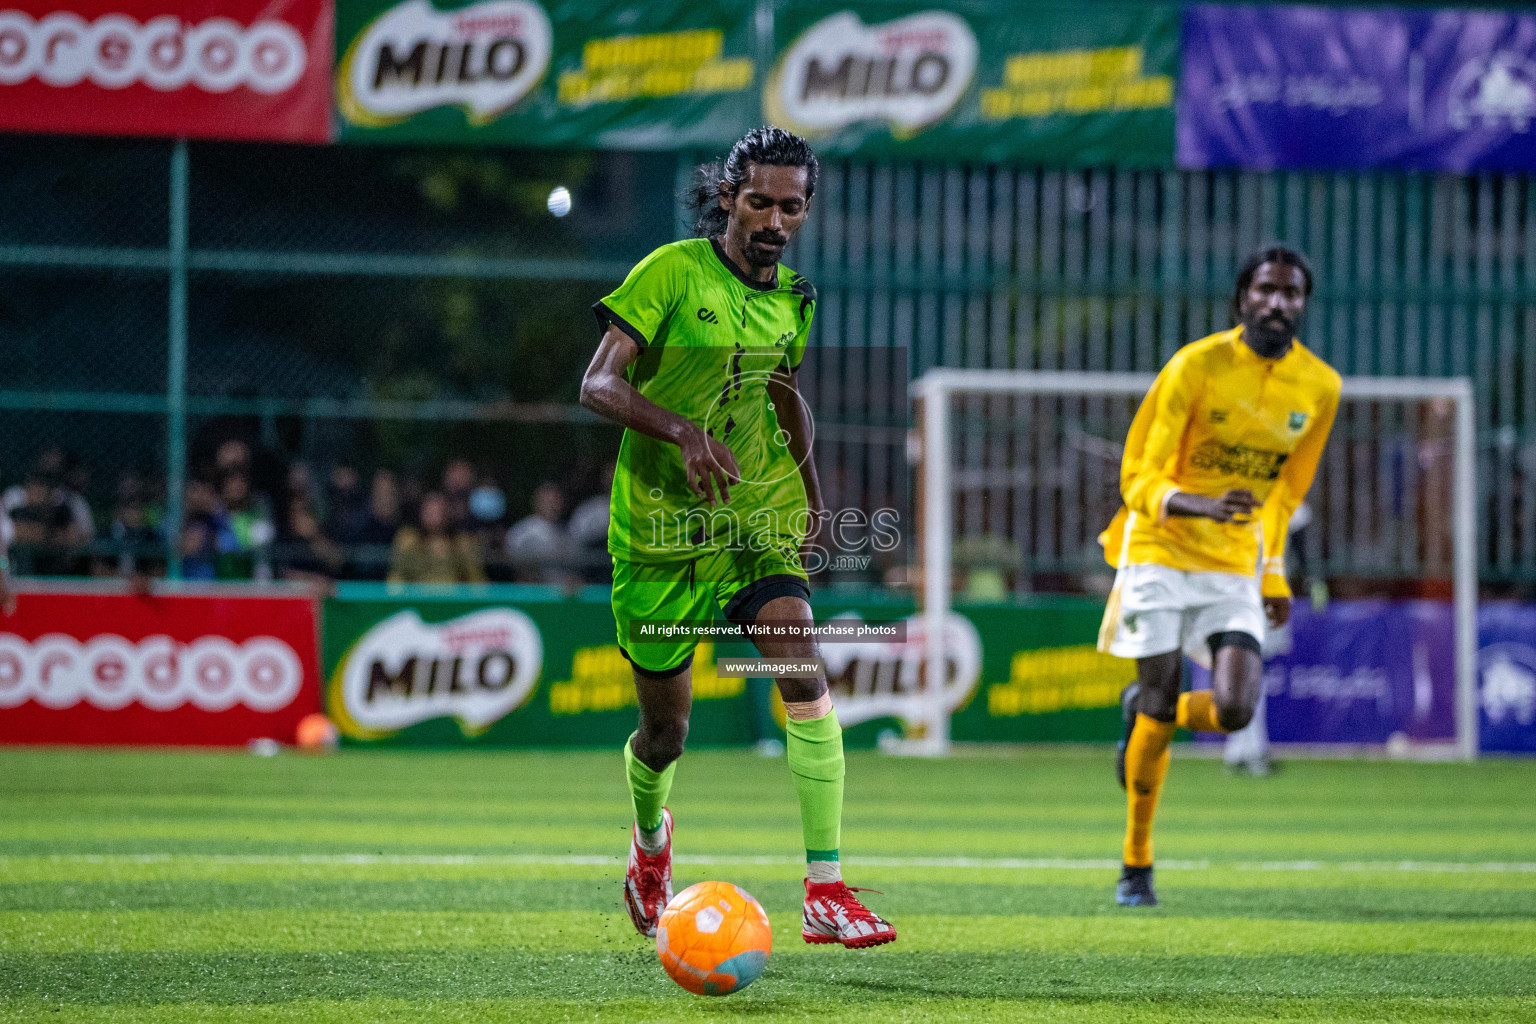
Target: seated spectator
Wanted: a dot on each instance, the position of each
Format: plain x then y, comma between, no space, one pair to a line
48,539
538,545
76,482
299,483
458,485
199,532
368,534
7,586
244,529
488,522
588,531
432,552
487,503
345,505
233,455
57,465
304,552
137,547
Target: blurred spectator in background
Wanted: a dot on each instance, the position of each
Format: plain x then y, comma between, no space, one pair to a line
48,538
58,466
538,545
136,546
304,552
588,532
458,485
199,531
232,455
75,479
432,551
411,489
488,521
982,564
222,443
368,535
245,528
345,504
299,482
7,589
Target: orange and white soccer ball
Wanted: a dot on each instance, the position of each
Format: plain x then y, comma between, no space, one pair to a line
316,734
714,939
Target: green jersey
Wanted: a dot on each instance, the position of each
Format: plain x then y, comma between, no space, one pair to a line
709,340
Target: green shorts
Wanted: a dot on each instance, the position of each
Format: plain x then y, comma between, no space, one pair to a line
735,583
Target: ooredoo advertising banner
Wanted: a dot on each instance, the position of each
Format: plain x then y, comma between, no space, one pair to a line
1311,87
231,69
216,669
612,73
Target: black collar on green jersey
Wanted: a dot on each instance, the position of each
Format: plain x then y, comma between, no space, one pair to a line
761,286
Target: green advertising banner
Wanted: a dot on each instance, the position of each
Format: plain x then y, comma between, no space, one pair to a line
519,666
983,82
979,82
666,74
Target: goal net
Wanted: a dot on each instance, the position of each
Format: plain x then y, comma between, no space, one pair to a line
1022,468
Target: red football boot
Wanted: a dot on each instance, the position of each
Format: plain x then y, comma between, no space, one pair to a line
834,914
648,880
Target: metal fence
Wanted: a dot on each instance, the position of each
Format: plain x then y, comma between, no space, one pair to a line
394,307
1114,270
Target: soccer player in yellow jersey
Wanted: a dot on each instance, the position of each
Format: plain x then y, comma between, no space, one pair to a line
1219,455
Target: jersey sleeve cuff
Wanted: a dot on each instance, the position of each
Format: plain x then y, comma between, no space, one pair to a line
1162,503
605,316
1274,584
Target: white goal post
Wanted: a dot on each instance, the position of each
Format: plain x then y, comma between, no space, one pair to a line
1114,396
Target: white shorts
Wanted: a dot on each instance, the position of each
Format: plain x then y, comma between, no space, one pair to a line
1163,609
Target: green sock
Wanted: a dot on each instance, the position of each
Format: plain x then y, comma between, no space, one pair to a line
647,789
815,750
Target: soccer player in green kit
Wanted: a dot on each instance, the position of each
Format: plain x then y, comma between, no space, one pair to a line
714,497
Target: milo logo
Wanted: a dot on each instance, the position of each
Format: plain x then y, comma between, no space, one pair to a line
908,73
413,57
476,669
879,678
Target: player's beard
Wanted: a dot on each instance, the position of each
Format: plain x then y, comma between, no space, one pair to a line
1269,335
760,254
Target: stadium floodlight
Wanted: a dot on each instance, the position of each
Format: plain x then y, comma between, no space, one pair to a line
1031,457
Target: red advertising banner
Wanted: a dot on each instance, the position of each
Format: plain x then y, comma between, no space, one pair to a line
213,69
205,669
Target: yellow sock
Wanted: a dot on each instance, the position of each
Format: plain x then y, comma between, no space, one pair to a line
1197,711
1146,764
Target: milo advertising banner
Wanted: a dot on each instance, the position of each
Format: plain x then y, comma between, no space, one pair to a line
955,81
978,82
518,667
513,669
600,73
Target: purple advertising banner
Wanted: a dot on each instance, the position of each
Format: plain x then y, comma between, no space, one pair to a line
1361,671
1506,669
1311,87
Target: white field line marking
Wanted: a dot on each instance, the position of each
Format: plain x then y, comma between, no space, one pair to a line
598,860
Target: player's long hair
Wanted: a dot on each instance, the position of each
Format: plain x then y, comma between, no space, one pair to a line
1273,254
774,147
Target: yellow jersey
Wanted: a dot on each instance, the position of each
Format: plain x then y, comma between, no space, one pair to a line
1218,417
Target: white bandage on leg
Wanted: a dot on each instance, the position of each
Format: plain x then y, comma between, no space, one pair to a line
805,710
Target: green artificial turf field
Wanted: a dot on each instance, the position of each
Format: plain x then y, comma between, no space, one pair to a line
485,886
